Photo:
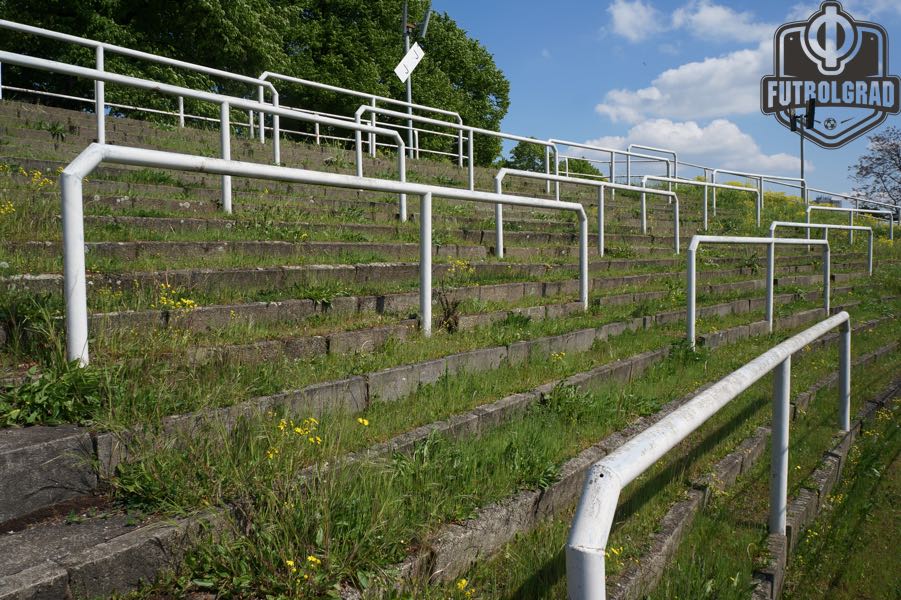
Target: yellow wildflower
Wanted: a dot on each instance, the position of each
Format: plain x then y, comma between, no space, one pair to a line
461,584
314,561
363,422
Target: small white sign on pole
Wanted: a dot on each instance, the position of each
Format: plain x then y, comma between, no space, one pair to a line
409,62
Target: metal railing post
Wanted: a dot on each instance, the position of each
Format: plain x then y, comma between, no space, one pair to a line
1,81
472,162
225,146
691,294
827,278
851,231
425,263
372,138
100,99
276,132
770,276
583,259
317,133
402,168
844,373
74,269
676,224
601,220
613,178
870,253
547,167
779,445
358,148
261,96
181,111
706,194
460,143
250,125
498,221
644,213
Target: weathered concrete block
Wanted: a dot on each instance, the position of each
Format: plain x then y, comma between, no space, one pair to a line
41,466
392,384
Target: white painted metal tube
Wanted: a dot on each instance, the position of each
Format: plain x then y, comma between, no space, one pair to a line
844,383
100,99
601,242
498,223
502,174
605,480
41,64
425,263
779,447
675,174
852,211
93,155
826,227
697,240
706,185
225,143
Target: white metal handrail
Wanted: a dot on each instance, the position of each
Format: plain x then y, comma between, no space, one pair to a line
851,212
555,143
373,99
706,185
225,103
605,480
601,185
770,243
101,48
75,284
653,149
761,178
826,227
471,131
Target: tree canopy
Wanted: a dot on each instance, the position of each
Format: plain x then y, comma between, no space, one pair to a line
530,157
878,172
349,43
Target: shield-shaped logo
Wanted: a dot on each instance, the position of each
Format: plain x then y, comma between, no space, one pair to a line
843,64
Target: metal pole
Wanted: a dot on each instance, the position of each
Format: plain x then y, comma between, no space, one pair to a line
425,263
844,371
547,167
601,220
276,133
225,145
676,224
556,172
181,111
613,178
827,277
498,222
74,269
870,253
472,164
690,317
583,259
409,86
99,100
706,190
251,125
372,139
460,145
851,223
358,148
779,441
770,275
803,181
628,167
261,96
402,168
1,81
644,212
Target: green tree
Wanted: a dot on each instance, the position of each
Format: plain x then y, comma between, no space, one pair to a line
580,166
527,156
349,43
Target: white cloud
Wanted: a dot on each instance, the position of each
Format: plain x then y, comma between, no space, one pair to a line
634,19
721,143
713,87
706,20
859,9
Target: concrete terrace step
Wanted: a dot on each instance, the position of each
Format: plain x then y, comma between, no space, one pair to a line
286,276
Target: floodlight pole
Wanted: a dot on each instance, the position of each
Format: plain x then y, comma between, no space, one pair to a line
803,181
406,25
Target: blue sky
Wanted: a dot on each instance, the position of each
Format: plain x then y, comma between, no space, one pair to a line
682,74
